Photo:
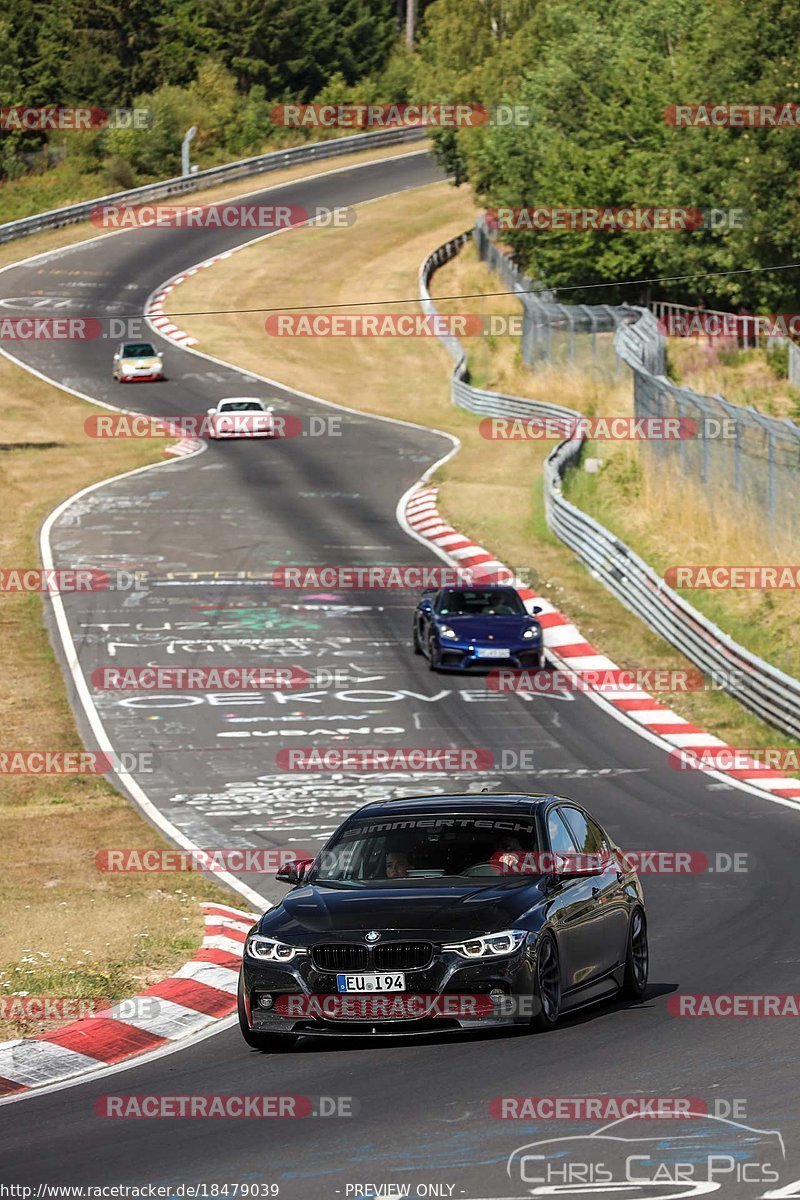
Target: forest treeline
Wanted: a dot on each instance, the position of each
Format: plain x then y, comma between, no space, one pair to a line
595,79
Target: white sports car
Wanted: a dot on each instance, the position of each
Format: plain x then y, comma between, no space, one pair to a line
241,416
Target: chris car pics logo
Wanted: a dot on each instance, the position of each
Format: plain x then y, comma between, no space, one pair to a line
695,1155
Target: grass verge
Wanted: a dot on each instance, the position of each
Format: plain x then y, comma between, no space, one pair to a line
753,378
491,489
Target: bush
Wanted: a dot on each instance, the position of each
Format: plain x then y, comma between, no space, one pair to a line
118,174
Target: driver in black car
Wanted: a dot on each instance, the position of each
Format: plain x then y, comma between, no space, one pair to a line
397,865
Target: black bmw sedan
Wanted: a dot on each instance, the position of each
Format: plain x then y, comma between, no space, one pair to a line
436,913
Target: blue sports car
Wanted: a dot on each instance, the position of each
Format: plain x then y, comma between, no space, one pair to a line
457,628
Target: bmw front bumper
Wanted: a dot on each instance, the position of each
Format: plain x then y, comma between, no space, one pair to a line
449,995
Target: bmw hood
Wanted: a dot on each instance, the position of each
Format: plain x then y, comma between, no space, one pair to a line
316,913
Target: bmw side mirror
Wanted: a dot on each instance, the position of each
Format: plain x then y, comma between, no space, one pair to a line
579,866
211,411
293,872
536,609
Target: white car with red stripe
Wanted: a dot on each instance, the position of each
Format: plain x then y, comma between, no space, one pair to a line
241,416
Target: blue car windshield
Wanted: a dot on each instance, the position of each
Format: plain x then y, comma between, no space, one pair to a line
482,602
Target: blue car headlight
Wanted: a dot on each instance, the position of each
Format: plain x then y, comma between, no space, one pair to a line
490,945
270,950
446,632
536,632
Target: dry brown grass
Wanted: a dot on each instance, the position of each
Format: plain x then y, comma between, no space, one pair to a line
491,489
666,517
748,378
68,929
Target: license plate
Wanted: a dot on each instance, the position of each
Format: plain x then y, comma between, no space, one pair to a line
371,983
491,652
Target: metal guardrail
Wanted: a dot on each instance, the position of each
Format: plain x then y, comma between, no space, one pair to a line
465,395
768,692
258,165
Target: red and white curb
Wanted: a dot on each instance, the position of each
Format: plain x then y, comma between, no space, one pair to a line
200,993
185,446
569,648
154,309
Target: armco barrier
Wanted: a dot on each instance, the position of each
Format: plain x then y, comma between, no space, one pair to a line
771,694
258,165
477,400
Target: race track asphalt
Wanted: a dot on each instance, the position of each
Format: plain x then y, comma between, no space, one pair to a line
207,531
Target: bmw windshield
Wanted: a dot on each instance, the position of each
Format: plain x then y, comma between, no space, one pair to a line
426,849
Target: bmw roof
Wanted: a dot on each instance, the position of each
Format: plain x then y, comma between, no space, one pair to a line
470,802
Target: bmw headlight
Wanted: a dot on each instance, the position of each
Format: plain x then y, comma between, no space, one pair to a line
490,945
536,632
447,632
269,950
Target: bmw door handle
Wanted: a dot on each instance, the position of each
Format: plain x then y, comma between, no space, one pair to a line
595,893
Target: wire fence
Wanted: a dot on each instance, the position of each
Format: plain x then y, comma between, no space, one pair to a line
575,335
735,451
